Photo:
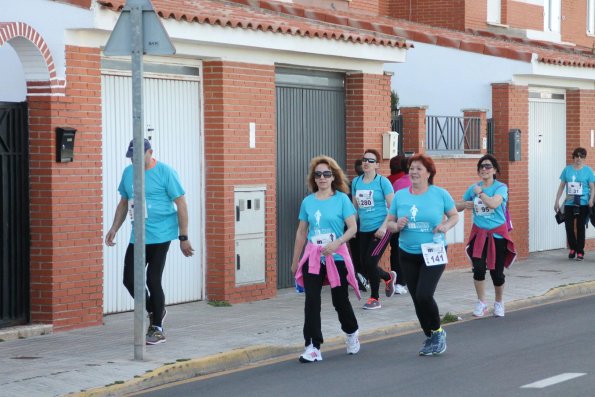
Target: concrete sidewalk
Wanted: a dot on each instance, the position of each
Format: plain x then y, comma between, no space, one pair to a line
204,339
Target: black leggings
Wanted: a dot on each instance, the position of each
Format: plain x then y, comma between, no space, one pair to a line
340,297
371,249
395,263
480,265
576,243
422,281
155,255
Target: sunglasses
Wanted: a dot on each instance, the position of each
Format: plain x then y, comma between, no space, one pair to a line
580,156
320,174
368,160
486,166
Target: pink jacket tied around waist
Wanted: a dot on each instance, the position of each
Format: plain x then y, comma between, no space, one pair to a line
313,252
483,237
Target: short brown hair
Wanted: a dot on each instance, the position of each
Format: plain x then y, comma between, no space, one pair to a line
427,162
375,153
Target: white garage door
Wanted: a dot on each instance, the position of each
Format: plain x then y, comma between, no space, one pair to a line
172,119
547,158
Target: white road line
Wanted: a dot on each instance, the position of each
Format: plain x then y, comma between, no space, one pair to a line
540,384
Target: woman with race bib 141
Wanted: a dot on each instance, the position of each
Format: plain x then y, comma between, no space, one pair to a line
422,214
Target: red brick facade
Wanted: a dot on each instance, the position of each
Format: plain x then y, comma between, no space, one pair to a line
236,94
66,200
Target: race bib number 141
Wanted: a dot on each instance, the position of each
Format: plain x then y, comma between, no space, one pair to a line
434,254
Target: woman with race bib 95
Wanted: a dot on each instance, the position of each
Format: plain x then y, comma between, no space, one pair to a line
324,214
490,246
422,214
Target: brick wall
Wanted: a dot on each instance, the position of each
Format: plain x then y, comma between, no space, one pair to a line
574,23
368,6
66,200
236,94
476,14
510,109
443,13
524,16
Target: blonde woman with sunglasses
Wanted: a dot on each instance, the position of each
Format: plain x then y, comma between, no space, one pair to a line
326,224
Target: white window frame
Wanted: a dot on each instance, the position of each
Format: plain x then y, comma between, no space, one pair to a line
494,11
591,17
552,13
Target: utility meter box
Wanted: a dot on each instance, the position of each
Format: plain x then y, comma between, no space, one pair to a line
249,234
65,144
390,144
514,145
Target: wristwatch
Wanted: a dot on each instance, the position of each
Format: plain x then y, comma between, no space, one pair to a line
182,237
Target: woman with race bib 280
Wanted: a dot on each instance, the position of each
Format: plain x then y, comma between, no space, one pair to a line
372,194
422,214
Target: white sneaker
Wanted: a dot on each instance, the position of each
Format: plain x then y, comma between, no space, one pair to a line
498,309
400,289
311,354
481,309
352,342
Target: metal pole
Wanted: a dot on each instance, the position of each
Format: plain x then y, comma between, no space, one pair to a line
136,19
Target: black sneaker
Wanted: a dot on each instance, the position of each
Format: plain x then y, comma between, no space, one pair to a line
571,254
362,282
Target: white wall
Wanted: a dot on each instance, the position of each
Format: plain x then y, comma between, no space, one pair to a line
50,19
448,80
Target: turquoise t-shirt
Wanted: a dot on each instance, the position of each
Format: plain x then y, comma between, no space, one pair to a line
424,211
371,202
584,176
162,187
483,216
326,218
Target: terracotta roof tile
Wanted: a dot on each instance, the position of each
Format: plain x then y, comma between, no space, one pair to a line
269,16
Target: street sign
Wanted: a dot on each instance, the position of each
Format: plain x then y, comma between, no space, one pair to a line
138,31
155,38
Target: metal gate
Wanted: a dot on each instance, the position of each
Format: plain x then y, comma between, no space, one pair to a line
547,158
172,120
14,214
310,122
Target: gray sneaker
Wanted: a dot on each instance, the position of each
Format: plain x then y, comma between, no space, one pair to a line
426,349
438,342
154,336
372,304
390,284
150,316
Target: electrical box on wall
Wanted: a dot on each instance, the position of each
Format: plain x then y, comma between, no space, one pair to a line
249,235
390,144
514,145
65,144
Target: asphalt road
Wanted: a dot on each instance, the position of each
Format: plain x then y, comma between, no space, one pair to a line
542,351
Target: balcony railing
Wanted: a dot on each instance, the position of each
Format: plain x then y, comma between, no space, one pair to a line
453,135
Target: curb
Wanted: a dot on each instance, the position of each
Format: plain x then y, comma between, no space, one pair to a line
187,369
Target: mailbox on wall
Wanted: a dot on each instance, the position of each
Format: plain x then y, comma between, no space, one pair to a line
514,145
65,144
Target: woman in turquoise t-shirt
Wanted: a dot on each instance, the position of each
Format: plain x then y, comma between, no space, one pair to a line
372,194
577,180
324,214
422,214
488,199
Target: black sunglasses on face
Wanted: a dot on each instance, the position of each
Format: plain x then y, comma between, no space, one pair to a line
326,174
368,160
486,166
580,156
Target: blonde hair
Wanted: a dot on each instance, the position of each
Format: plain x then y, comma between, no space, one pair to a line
340,181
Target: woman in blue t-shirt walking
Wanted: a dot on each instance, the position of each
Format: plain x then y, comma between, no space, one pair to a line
422,214
372,194
577,179
324,216
490,246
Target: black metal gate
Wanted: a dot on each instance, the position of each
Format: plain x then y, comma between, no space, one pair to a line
14,214
310,122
